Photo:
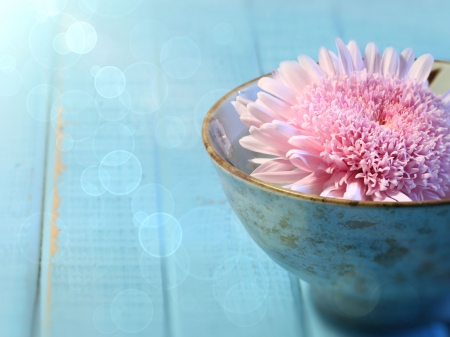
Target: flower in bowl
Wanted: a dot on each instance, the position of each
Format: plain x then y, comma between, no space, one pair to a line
352,128
364,255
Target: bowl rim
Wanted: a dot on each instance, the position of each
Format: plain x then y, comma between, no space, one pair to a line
225,165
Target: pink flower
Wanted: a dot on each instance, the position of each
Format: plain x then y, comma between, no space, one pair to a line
352,128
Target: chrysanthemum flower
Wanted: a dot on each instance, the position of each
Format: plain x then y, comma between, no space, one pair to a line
353,128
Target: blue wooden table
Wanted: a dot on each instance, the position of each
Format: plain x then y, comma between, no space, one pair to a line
102,104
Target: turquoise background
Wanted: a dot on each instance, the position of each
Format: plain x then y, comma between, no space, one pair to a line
101,104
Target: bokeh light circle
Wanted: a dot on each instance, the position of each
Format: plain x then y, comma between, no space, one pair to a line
103,319
135,308
146,87
223,33
180,57
111,171
249,279
109,82
81,37
64,142
90,181
94,70
148,51
170,131
60,44
152,198
160,235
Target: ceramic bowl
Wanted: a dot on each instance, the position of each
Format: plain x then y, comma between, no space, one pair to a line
370,262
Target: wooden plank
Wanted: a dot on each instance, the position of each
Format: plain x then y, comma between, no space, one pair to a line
22,138
96,261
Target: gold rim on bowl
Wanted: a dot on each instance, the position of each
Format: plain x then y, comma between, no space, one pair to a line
280,190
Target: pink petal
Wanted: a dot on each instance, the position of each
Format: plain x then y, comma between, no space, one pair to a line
285,130
280,108
421,68
243,100
346,62
389,62
335,60
276,164
281,177
261,113
405,62
356,190
259,161
249,120
267,134
241,109
307,143
311,184
278,90
297,78
372,58
398,196
311,67
305,161
325,62
356,55
382,197
252,144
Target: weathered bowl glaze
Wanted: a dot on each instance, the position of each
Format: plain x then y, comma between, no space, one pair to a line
385,263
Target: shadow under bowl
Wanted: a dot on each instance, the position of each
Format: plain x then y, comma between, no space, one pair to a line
369,263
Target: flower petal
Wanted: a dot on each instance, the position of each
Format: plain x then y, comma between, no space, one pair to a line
259,161
305,161
285,130
325,62
252,144
398,196
311,67
297,77
261,113
278,90
421,68
275,164
243,100
306,143
276,105
356,190
372,58
356,55
346,63
389,62
272,136
405,62
311,184
281,177
249,120
335,60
